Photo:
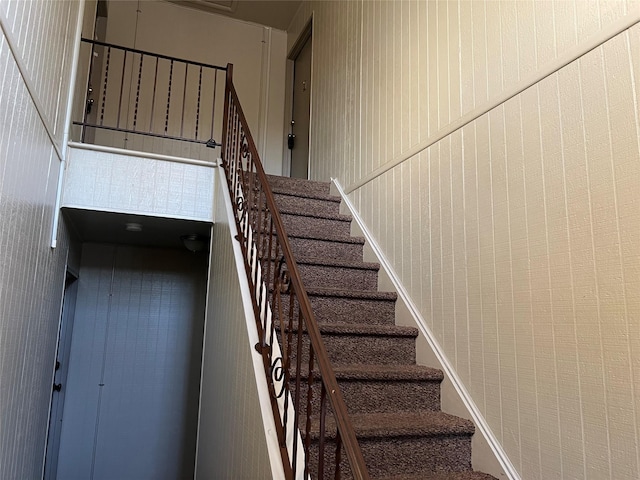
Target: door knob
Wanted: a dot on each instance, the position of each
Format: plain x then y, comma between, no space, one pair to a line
57,387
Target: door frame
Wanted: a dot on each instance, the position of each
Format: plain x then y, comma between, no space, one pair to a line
305,34
63,346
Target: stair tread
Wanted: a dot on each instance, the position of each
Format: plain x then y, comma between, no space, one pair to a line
329,237
354,294
333,262
301,182
383,373
329,216
280,190
366,329
423,423
387,372
466,475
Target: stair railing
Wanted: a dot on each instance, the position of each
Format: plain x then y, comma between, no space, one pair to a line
313,427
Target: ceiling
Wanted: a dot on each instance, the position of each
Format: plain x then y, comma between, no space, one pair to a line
273,13
108,227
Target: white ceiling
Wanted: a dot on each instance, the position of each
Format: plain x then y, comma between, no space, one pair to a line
273,13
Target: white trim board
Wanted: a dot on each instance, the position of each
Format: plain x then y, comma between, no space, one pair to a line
482,426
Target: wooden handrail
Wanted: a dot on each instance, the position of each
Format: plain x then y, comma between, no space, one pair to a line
270,267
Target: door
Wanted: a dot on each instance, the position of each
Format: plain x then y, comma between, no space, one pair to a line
60,377
301,110
131,408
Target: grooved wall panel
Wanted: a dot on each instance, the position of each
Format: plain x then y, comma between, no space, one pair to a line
231,442
31,273
517,236
43,32
124,183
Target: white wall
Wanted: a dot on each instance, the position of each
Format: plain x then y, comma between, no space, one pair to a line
518,236
231,434
31,273
113,182
257,53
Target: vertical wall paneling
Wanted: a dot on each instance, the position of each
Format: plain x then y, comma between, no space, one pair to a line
517,236
231,437
31,274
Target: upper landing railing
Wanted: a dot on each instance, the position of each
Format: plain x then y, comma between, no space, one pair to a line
135,92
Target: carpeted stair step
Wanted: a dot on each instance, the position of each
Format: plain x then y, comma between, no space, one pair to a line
350,306
377,344
296,223
298,185
416,443
440,476
326,206
333,246
382,388
353,306
343,274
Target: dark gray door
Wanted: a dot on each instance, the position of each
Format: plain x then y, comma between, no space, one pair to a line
131,406
301,112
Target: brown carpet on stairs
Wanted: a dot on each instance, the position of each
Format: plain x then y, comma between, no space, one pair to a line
394,404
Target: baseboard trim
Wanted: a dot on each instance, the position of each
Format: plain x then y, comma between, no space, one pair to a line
474,412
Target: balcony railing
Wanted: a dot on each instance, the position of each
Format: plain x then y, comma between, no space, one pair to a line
139,93
315,434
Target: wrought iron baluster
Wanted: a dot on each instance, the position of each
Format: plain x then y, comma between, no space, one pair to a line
338,455
198,102
213,104
104,89
135,112
153,96
124,67
323,429
166,118
307,439
184,97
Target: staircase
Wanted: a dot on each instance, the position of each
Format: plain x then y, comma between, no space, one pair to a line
393,403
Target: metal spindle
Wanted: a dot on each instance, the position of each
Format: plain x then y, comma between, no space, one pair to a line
166,118
198,103
307,437
184,97
124,67
153,96
135,112
338,454
104,90
213,105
